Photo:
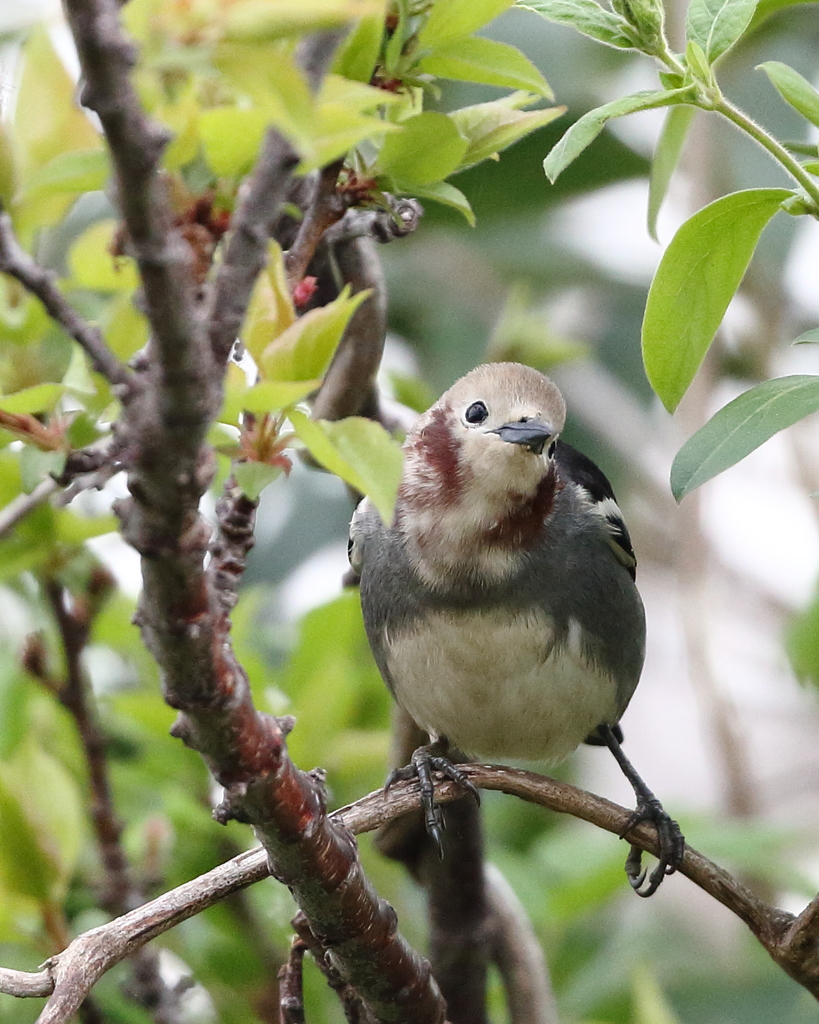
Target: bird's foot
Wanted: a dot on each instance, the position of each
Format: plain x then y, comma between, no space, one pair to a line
670,842
425,761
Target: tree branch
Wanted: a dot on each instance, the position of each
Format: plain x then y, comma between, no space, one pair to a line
516,951
24,504
251,228
15,262
789,940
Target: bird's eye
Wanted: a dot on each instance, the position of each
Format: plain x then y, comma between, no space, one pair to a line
476,413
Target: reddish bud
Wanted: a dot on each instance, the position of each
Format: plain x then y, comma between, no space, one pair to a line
304,291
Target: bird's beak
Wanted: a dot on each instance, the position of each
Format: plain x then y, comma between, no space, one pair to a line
532,434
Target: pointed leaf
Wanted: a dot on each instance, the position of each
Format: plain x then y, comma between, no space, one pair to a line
271,309
41,821
260,20
37,398
455,19
443,192
697,277
742,426
359,451
587,17
584,131
304,350
493,127
808,338
429,148
253,477
231,138
666,156
794,89
717,24
82,170
488,61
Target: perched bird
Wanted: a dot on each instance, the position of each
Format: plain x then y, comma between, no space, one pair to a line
500,603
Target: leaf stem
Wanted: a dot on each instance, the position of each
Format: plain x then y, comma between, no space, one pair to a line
775,148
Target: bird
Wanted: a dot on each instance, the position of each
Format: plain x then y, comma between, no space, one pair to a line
500,603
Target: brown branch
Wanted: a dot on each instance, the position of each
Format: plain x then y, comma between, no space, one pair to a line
15,262
455,887
254,221
518,955
400,220
119,894
24,504
354,1008
136,144
791,941
325,208
245,254
349,387
291,992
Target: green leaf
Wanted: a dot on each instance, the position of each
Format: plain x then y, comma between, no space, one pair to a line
273,395
231,138
38,398
803,643
271,309
585,130
808,338
443,192
794,89
260,20
36,465
14,691
358,52
253,477
429,148
742,426
490,128
82,170
303,352
359,451
697,277
666,156
454,19
92,265
587,17
717,24
476,59
41,822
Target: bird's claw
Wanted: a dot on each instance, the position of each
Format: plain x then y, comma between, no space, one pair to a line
671,846
423,763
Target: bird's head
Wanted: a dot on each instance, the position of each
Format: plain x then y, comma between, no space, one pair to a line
479,467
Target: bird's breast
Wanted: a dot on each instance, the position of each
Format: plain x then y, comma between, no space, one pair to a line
500,683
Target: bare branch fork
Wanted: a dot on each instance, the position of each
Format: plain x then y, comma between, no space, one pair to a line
791,941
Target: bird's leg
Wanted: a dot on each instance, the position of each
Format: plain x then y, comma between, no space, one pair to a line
670,839
425,761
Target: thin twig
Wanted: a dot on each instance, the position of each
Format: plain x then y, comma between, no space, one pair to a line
791,941
15,262
291,990
326,208
245,254
23,504
119,893
517,953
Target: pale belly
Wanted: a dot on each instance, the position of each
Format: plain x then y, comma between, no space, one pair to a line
497,685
